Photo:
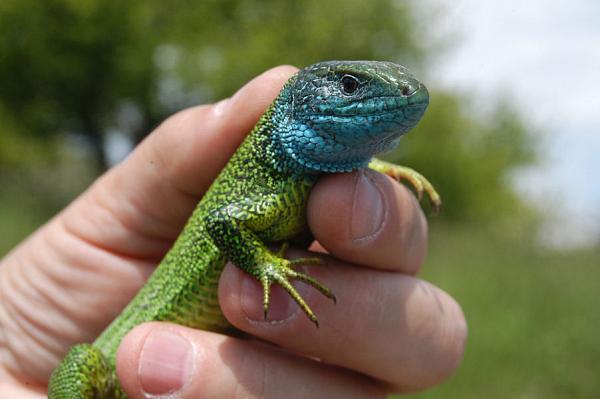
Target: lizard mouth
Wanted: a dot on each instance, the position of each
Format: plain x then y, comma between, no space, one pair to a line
378,106
408,111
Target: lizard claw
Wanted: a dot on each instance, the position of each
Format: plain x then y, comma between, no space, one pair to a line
418,181
283,249
436,205
280,272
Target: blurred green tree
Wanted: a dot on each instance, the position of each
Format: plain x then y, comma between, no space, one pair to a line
86,67
66,65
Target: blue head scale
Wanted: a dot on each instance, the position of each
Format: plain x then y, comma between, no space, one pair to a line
344,112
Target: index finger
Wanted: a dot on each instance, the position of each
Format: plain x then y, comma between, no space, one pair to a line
139,207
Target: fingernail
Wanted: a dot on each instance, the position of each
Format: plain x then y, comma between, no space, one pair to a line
368,207
166,362
281,305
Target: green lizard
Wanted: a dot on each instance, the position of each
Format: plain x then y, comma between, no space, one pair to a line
329,117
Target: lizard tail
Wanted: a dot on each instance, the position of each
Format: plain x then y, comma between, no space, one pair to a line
84,374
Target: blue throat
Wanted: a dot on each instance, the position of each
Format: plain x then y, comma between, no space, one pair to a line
302,150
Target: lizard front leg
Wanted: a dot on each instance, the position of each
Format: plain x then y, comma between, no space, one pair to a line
417,180
234,229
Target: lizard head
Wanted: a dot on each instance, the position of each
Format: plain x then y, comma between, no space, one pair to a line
344,112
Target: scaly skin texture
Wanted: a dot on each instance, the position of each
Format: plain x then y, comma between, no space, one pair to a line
329,117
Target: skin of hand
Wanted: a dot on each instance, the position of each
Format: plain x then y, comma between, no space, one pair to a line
389,332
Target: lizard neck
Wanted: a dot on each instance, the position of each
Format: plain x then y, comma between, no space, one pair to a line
294,148
270,136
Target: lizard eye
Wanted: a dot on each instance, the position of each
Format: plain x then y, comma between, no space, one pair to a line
349,84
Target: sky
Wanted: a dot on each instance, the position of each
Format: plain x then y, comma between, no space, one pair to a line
546,56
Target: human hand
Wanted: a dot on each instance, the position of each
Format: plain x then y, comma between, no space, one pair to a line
389,332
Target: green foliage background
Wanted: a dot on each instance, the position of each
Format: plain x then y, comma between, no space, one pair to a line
72,71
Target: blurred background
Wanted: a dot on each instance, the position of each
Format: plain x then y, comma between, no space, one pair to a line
511,141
